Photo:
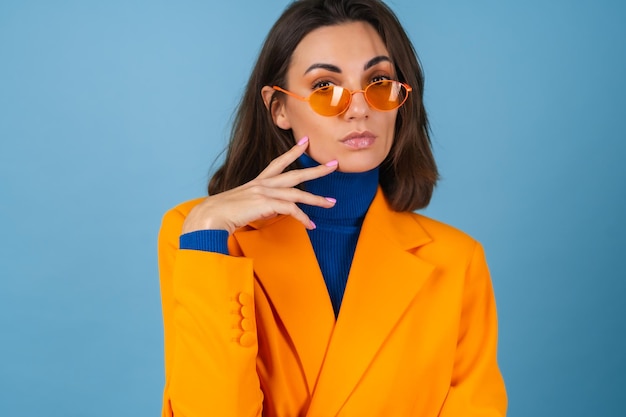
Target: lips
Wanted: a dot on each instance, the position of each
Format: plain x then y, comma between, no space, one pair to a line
359,140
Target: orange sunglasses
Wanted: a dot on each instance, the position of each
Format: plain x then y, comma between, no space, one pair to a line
332,100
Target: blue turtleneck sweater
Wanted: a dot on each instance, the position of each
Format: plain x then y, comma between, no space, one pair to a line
335,237
334,240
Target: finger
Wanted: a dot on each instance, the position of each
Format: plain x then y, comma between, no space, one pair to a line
290,209
279,164
294,195
298,176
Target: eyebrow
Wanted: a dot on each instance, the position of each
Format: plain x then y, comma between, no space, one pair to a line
334,68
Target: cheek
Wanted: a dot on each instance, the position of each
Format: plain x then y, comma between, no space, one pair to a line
306,123
299,119
390,128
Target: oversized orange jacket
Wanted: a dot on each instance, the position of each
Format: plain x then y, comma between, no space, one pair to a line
254,333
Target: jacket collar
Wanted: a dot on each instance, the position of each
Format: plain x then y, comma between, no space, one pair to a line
383,280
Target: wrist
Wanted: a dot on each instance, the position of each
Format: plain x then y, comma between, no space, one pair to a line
193,225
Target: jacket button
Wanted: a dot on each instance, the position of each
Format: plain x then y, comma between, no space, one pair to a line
245,298
246,311
247,339
247,325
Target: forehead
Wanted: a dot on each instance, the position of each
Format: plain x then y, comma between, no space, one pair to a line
346,45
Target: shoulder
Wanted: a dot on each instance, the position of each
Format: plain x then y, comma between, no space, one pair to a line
179,212
446,239
441,231
173,219
414,230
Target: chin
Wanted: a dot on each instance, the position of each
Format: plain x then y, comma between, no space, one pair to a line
359,165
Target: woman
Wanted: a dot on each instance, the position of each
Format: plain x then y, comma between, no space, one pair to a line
304,285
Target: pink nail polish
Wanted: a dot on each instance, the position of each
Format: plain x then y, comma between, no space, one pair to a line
331,163
303,140
313,226
332,200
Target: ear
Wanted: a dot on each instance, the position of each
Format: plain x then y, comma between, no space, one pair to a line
279,114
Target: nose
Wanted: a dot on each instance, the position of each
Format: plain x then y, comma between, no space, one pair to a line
358,107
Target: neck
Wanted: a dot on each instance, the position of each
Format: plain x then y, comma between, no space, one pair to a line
354,193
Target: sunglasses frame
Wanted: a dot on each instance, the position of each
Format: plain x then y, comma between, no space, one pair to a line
364,91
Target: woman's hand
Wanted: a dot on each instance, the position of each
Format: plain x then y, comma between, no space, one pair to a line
268,195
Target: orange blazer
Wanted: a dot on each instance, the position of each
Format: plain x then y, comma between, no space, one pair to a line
254,334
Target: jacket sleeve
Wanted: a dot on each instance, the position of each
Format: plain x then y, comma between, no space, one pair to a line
209,329
476,388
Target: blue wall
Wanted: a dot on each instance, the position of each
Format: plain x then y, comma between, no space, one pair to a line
112,112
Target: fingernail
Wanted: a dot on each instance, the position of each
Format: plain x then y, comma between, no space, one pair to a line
312,225
332,200
331,163
303,140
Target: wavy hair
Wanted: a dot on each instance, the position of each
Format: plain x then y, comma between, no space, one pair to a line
408,174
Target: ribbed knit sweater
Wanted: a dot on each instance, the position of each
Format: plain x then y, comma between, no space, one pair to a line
334,240
335,237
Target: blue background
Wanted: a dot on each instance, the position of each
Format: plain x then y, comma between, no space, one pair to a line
112,112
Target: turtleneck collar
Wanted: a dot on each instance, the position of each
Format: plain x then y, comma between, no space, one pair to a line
354,193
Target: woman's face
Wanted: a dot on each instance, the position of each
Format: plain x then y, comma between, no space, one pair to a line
350,55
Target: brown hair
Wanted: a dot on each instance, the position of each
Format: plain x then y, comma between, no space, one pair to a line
408,174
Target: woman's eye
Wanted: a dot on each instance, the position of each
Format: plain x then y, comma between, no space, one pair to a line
322,84
380,78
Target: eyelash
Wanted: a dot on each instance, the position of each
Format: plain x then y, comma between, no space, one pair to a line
326,82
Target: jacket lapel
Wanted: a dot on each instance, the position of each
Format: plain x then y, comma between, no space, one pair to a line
383,281
286,266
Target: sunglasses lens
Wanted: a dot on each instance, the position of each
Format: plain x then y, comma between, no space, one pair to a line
382,95
330,101
386,94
